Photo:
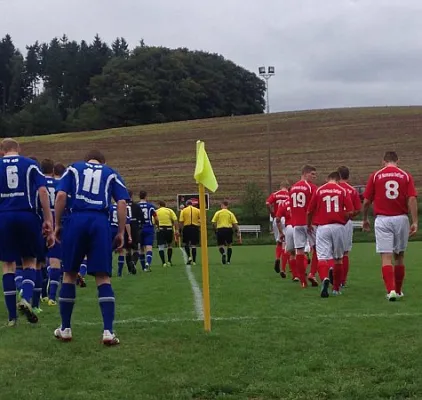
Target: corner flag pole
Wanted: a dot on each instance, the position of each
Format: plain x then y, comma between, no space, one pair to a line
204,258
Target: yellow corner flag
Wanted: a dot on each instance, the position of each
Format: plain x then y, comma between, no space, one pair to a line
203,171
204,176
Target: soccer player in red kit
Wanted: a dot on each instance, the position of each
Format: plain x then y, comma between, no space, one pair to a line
300,196
274,201
284,211
357,205
393,194
330,209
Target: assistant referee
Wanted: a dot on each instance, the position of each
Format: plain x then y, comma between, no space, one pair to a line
189,223
224,222
167,225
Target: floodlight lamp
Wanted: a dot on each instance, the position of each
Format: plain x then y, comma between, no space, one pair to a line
271,70
261,70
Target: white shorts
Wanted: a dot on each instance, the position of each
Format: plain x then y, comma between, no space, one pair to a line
348,235
275,229
302,238
330,241
392,233
289,238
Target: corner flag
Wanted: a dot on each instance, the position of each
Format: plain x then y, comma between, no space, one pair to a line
204,176
203,170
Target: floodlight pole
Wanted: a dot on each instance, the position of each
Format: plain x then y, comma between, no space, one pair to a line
267,74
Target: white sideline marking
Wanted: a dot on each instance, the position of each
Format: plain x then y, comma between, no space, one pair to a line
197,294
144,320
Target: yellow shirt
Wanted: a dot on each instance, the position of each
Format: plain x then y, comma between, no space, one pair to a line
224,219
190,216
166,216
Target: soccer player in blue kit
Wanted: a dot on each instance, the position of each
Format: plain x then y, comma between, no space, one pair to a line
147,231
20,181
92,185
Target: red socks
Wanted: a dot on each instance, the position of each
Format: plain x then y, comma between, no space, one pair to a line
301,263
278,251
293,268
337,276
323,268
345,269
284,260
389,279
314,263
399,272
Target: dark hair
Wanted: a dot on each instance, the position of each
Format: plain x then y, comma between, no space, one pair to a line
225,203
59,169
344,172
143,194
391,156
95,155
162,203
47,166
334,176
307,169
189,202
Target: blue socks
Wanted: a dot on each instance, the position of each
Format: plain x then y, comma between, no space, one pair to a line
149,257
19,278
83,268
120,264
44,271
54,276
107,305
9,289
37,289
67,301
28,283
142,258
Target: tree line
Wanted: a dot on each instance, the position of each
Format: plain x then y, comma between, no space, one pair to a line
64,85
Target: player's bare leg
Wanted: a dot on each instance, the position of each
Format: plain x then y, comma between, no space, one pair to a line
388,275
54,280
28,283
67,298
399,273
107,305
9,290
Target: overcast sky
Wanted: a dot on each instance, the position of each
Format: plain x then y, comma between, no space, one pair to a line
327,53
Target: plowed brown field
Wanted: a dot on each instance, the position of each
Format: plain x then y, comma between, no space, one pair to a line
161,158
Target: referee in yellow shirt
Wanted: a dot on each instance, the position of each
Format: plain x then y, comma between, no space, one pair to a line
224,221
189,224
167,225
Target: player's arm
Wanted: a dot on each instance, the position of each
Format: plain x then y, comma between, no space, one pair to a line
214,221
367,201
121,216
357,205
348,206
235,224
156,220
270,205
412,204
120,195
311,211
129,231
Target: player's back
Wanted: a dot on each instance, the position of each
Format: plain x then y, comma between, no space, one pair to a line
148,211
329,204
20,179
92,186
300,196
114,222
285,212
390,189
278,198
354,195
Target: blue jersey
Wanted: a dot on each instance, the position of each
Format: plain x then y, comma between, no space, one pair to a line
92,186
114,222
20,179
148,212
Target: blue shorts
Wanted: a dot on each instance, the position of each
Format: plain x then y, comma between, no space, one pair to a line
42,248
87,234
147,237
20,233
55,251
114,230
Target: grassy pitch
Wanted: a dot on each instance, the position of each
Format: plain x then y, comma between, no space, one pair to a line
270,339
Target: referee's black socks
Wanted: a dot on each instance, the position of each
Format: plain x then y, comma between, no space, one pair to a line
229,254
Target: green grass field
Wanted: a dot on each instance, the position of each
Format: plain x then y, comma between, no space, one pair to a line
269,340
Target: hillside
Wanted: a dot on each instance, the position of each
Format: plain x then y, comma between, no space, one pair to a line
161,158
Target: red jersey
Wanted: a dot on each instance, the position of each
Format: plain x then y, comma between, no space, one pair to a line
300,196
330,204
389,189
277,199
285,211
354,195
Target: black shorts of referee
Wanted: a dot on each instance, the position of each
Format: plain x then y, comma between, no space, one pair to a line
165,236
224,236
135,239
191,235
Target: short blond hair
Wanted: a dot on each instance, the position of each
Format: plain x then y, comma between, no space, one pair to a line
9,144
